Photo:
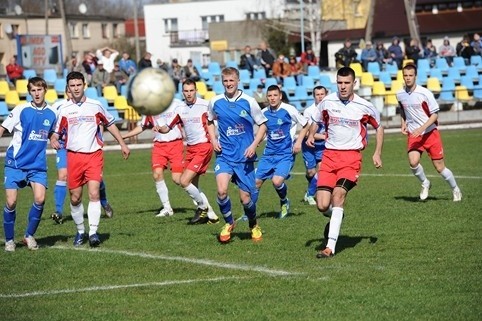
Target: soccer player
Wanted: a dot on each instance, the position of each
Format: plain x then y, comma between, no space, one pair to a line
312,155
26,160
167,150
60,189
346,116
236,114
278,156
419,111
80,119
192,116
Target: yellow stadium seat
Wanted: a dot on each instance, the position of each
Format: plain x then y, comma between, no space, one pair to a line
21,87
396,85
407,61
4,87
357,67
202,89
120,102
433,84
378,88
400,76
51,96
462,94
366,79
209,95
391,98
12,98
110,93
131,115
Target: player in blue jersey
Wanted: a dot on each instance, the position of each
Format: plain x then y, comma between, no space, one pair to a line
236,114
312,155
278,156
26,160
60,189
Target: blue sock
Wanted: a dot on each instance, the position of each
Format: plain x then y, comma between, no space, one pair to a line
103,194
255,195
225,209
312,185
34,218
60,191
282,191
9,223
250,210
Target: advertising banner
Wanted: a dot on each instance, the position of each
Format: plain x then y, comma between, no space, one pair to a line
40,52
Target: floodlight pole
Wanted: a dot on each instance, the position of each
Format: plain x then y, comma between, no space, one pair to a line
412,19
46,17
136,30
68,38
302,25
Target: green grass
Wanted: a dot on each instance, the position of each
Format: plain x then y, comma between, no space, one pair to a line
397,258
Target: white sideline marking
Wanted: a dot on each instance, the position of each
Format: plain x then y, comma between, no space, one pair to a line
242,267
115,287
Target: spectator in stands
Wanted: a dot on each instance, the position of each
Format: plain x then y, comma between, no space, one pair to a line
249,61
100,78
162,65
190,71
464,49
266,57
74,64
308,58
14,70
118,77
284,96
383,56
430,52
127,65
413,51
260,96
476,45
107,56
396,52
176,72
296,69
281,69
346,55
447,51
368,54
89,64
145,61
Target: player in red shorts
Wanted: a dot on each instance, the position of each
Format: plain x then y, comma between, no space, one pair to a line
419,111
167,151
346,116
192,116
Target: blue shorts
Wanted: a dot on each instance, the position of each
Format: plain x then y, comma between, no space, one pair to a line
19,178
270,166
311,156
242,173
61,158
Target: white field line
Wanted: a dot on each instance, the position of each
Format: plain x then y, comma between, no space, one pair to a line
115,287
223,265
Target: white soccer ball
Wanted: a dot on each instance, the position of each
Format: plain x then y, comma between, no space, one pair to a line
150,91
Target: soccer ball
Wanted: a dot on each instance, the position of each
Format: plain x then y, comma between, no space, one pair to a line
150,91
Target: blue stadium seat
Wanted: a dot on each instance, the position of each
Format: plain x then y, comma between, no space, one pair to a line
423,66
4,112
300,94
215,69
436,73
467,82
391,68
50,75
441,63
472,72
269,82
123,90
29,73
260,73
374,68
314,72
459,63
325,81
422,79
218,87
232,63
309,83
447,92
59,86
244,77
385,78
289,84
104,102
476,61
454,73
91,92
253,84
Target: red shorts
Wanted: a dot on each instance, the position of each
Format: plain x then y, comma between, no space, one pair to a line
430,142
198,157
339,164
84,167
164,153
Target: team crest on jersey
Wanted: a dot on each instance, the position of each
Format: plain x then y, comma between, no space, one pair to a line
217,168
280,121
10,115
243,113
46,122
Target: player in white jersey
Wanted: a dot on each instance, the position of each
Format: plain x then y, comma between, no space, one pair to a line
192,116
167,151
26,160
419,111
80,119
312,155
346,116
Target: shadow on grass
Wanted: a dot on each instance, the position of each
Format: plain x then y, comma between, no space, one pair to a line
415,199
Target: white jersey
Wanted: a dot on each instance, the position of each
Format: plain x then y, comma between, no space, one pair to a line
81,124
347,121
417,107
165,117
310,112
194,119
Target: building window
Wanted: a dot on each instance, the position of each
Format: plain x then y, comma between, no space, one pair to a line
170,25
85,30
105,32
256,15
115,30
74,30
206,20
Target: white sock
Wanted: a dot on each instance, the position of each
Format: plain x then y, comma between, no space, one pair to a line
195,195
449,177
211,213
77,213
420,174
335,225
93,213
163,193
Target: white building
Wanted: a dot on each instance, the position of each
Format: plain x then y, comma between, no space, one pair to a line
181,30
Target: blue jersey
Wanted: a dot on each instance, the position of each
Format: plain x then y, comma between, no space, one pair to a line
30,127
281,129
236,118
